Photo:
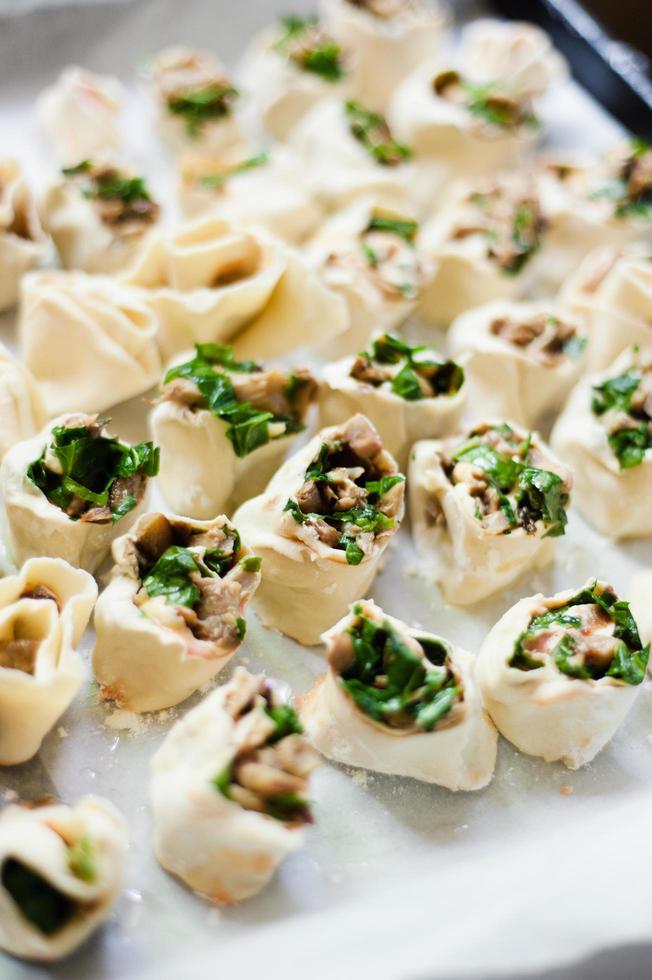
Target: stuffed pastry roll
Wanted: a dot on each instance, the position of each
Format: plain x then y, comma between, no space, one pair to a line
87,340
517,54
44,610
521,359
98,215
22,241
485,506
559,674
593,204
79,115
605,433
229,790
407,392
22,411
387,38
321,528
401,701
472,123
288,69
482,245
224,426
369,256
61,870
269,189
70,490
206,281
172,615
197,102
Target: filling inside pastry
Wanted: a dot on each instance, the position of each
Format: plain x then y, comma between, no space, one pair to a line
372,131
184,580
195,88
508,486
386,256
307,46
42,904
399,680
624,406
491,106
351,492
506,221
257,405
629,183
542,336
214,173
90,476
272,762
589,636
121,201
412,372
387,9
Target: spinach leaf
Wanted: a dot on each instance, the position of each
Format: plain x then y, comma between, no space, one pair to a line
615,393
215,181
544,496
43,905
630,445
402,227
443,377
286,720
372,131
170,577
201,105
323,59
81,859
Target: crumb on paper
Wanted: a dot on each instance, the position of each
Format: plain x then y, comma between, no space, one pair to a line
126,721
360,777
566,790
62,732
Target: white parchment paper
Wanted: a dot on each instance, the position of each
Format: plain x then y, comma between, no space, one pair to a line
398,880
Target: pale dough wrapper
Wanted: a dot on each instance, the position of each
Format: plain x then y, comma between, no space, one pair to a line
380,292
219,848
386,47
22,411
89,232
281,92
150,660
177,72
308,584
521,359
519,54
22,241
201,474
79,115
44,610
340,169
399,421
469,560
614,500
471,244
35,527
88,340
269,189
78,853
460,753
444,129
544,712
640,592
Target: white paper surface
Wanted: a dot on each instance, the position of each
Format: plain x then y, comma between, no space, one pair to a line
398,880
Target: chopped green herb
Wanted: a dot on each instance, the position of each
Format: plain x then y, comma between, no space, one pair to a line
403,227
286,720
222,782
251,563
615,393
216,181
372,131
308,47
81,859
247,427
421,372
630,443
240,628
202,105
170,577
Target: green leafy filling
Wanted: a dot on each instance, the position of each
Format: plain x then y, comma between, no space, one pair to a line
493,106
201,105
443,377
391,683
247,427
628,444
372,131
90,465
405,228
218,180
44,906
629,661
628,202
172,574
323,57
81,859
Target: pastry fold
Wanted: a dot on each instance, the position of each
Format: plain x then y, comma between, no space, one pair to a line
79,115
44,610
22,240
427,721
22,410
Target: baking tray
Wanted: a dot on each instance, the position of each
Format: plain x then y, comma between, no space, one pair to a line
398,880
